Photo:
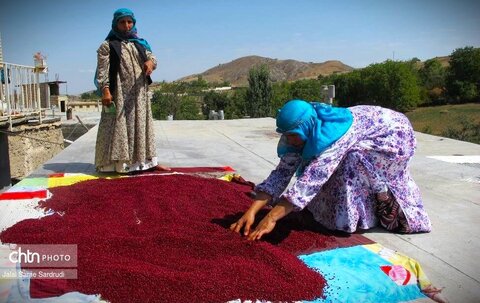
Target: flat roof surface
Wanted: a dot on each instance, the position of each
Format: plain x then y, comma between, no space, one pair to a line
447,172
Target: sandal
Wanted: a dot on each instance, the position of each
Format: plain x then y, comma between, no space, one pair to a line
390,214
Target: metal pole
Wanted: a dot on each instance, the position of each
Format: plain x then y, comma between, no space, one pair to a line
22,87
7,96
30,88
18,83
37,101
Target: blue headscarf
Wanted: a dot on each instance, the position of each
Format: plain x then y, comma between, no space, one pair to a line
132,34
319,125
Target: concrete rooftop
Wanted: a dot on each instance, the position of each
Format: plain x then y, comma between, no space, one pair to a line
447,172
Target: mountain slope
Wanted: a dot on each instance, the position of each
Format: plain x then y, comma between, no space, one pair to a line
236,71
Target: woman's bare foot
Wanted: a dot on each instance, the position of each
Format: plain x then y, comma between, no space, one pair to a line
162,168
434,293
382,196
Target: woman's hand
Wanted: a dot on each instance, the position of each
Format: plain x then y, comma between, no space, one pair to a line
264,227
248,218
106,96
244,222
148,67
268,223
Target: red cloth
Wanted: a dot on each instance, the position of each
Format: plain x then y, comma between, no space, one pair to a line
202,169
56,175
23,195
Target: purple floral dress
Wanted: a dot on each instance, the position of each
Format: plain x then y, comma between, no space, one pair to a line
339,186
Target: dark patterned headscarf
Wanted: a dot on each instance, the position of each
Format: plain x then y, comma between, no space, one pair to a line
130,35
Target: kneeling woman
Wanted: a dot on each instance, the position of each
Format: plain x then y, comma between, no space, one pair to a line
352,171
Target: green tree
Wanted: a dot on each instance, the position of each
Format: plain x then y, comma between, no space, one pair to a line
214,101
392,84
432,76
259,92
415,60
349,88
167,99
197,85
280,95
188,109
164,104
463,79
463,91
236,108
307,89
89,96
179,105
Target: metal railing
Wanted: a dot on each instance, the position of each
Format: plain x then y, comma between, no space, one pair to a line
19,92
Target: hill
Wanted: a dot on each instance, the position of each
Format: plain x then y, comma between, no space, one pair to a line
236,71
445,60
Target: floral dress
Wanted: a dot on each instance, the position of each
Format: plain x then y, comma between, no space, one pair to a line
339,186
125,139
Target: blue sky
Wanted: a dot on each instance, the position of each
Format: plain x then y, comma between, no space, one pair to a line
189,37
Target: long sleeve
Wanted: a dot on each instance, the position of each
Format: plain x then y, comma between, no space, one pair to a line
318,171
279,178
151,56
316,174
103,64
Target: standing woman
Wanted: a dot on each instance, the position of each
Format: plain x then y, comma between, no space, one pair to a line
125,139
352,169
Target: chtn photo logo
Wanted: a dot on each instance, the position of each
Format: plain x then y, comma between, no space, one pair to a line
31,257
43,255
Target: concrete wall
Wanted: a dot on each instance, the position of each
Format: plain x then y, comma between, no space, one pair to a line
31,146
61,102
85,106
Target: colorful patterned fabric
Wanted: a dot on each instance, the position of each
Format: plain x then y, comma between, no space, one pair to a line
368,273
339,186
